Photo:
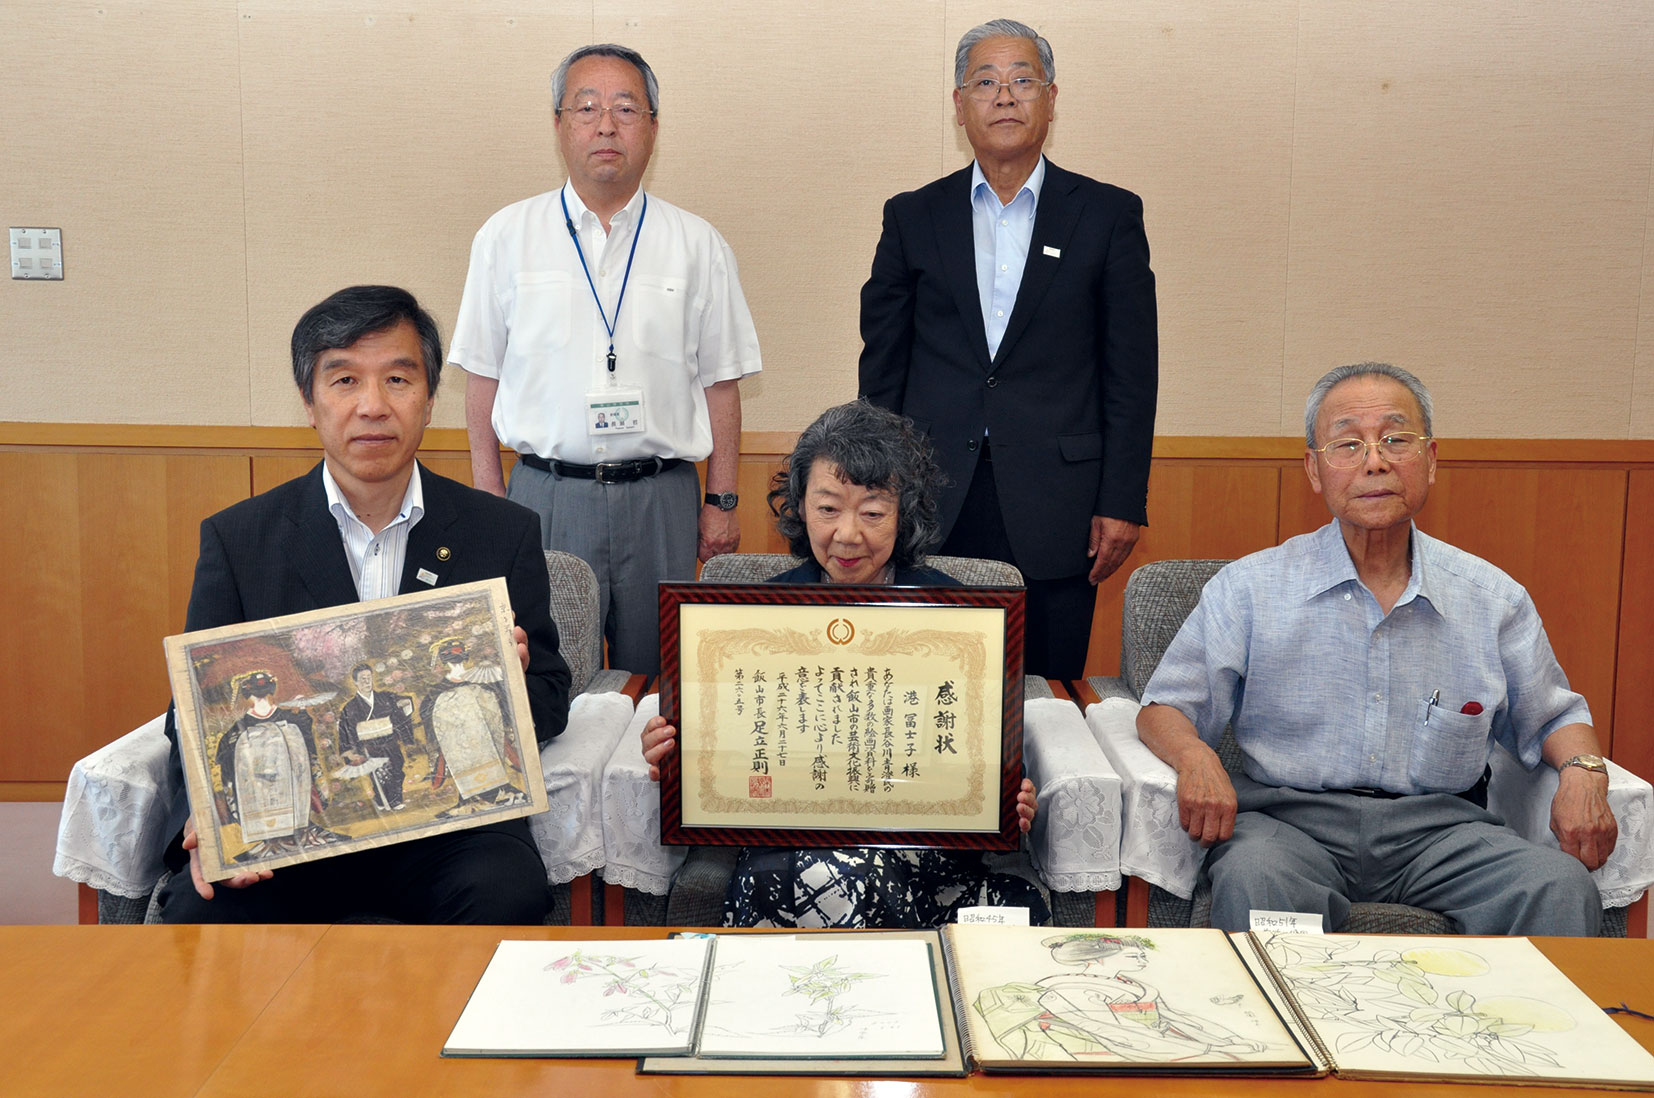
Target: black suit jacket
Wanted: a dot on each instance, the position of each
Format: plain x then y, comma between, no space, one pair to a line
1068,402
280,553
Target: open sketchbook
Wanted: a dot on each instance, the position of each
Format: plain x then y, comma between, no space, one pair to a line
1470,1010
838,1014
1043,999
599,998
746,1001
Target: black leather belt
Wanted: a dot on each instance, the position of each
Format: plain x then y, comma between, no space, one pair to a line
611,472
1476,794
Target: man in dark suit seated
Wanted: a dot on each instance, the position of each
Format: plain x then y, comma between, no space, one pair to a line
369,522
1010,313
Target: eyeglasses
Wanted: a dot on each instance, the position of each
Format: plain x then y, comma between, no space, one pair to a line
986,88
587,113
1396,448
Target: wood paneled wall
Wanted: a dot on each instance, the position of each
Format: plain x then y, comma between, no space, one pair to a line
101,536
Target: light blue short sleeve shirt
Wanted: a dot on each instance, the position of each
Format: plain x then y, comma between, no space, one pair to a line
1325,691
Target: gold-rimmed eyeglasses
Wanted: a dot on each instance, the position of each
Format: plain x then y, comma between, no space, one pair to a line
986,88
1397,447
588,111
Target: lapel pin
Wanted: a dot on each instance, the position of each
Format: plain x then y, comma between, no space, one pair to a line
425,575
444,553
1054,253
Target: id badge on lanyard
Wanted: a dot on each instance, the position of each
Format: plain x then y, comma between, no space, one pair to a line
612,409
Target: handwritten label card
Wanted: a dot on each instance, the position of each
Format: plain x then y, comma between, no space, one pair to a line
1286,922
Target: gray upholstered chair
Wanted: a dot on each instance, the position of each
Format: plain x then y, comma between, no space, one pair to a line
1166,886
697,887
117,816
579,624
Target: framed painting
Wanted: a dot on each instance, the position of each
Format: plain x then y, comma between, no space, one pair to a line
828,715
312,735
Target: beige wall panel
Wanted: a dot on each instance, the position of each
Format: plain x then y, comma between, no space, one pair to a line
1464,188
378,141
787,127
1469,198
122,128
1142,104
1642,387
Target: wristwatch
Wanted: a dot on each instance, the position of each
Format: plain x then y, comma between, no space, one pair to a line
723,501
1593,763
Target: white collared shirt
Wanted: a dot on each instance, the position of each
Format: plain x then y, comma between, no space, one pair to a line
1003,232
375,559
528,319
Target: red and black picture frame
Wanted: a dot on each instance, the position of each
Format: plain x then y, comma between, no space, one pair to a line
839,715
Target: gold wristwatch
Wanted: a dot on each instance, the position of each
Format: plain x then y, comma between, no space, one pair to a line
1594,763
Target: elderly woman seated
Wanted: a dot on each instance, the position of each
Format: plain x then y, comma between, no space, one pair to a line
856,499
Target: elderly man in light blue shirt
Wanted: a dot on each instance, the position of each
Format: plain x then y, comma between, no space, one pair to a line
1367,669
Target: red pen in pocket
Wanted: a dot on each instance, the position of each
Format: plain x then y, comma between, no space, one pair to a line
1471,708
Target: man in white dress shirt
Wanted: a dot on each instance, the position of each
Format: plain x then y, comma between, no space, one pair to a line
604,334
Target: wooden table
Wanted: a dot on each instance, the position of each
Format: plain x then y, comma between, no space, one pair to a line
362,1011
134,1010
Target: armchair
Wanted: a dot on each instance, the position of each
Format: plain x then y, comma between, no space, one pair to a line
1072,850
1166,886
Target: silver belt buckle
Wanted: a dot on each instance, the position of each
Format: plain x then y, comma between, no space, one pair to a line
601,472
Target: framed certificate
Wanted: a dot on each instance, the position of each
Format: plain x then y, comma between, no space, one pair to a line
828,715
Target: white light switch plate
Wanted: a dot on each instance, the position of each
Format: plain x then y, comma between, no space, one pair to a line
37,253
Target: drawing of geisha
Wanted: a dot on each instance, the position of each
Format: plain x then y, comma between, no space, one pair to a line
466,715
1101,1012
266,765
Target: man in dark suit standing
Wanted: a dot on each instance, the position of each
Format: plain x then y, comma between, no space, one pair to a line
1011,314
369,522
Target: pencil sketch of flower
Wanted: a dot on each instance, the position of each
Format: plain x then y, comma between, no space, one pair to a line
1391,1001
1484,1042
653,995
825,984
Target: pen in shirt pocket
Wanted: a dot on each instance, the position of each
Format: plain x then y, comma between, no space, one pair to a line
1434,700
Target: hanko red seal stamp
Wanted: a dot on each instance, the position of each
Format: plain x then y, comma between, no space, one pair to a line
758,785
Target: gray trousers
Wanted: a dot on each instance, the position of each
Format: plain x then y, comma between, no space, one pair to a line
1319,852
633,535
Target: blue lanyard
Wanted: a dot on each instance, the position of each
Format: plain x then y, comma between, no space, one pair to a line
624,279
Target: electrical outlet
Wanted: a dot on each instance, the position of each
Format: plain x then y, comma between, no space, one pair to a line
37,253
